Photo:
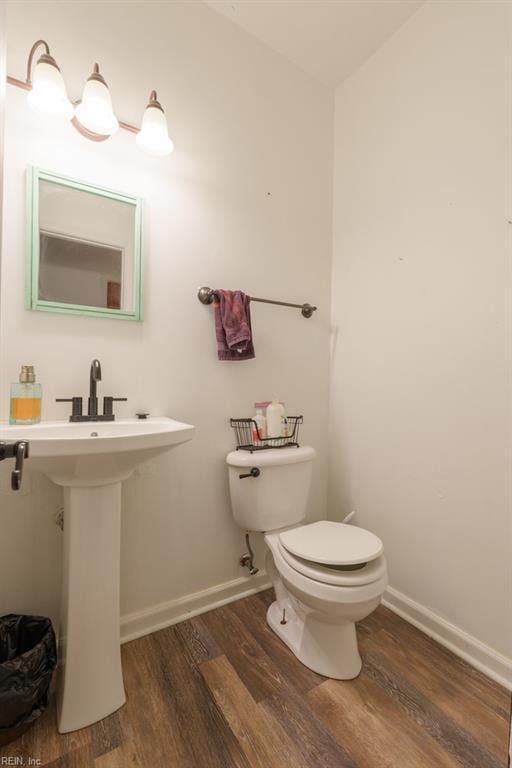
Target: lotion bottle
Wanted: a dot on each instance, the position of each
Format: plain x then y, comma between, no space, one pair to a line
261,424
275,417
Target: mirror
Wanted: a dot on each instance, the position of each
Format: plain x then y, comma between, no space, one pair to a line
85,253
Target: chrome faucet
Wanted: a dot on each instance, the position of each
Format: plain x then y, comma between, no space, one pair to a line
92,403
95,376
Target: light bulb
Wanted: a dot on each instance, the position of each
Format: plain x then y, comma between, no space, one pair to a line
48,93
95,110
153,136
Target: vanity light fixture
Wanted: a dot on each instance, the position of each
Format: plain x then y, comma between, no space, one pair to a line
153,137
47,92
93,115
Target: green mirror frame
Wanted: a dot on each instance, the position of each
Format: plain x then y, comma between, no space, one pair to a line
32,300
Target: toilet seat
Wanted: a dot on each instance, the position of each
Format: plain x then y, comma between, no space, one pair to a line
313,589
366,574
331,544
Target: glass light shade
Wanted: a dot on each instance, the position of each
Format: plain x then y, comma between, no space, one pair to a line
48,92
95,110
153,136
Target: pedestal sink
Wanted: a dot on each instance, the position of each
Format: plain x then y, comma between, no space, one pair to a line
91,460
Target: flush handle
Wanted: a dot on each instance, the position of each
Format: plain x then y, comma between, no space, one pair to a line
255,472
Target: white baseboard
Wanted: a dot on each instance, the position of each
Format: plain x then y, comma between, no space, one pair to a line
134,625
483,657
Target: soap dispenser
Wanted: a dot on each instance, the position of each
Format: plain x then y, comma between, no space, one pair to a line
26,398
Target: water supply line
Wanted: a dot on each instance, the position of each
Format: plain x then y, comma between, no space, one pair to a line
247,559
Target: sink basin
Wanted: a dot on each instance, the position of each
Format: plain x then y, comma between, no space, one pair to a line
61,438
90,460
96,452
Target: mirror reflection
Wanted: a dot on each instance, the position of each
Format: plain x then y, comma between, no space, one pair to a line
86,255
79,271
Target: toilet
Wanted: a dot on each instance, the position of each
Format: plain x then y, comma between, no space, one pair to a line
326,575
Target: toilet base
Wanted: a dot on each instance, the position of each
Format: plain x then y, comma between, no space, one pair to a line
328,648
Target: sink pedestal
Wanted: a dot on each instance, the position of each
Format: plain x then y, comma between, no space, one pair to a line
90,460
91,679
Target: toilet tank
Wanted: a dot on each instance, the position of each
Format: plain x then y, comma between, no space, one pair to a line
278,495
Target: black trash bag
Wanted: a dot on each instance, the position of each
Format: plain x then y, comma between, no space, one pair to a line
28,656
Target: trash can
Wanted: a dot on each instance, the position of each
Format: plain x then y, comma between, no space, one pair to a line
28,657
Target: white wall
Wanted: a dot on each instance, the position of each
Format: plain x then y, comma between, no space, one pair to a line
244,202
420,426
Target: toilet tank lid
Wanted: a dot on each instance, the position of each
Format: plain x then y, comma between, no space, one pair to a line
271,457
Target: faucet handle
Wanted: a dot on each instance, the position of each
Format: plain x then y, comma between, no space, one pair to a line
108,404
76,408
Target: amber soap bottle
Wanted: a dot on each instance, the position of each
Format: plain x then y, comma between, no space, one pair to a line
26,398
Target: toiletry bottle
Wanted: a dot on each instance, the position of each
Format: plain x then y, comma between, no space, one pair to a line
284,420
275,416
26,398
261,423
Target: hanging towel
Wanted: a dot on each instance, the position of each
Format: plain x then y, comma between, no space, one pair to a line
233,325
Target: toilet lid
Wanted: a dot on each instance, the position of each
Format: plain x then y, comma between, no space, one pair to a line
332,543
331,574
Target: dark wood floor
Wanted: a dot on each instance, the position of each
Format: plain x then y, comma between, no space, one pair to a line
222,691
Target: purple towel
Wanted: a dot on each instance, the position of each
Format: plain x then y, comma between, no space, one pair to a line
233,325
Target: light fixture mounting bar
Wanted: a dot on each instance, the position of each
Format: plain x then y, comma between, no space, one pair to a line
18,83
34,48
25,86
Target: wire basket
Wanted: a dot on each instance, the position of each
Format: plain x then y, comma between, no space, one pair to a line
248,435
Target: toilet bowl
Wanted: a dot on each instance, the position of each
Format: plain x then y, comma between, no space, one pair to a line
326,575
317,604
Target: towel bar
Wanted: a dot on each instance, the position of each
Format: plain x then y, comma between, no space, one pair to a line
206,296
